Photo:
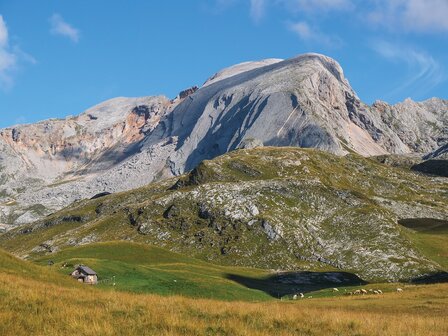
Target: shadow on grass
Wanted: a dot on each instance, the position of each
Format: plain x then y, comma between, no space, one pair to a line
425,225
439,277
287,283
432,167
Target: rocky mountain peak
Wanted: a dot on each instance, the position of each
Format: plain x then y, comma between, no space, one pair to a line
124,143
329,63
238,69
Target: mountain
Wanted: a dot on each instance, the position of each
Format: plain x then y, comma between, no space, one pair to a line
126,143
273,208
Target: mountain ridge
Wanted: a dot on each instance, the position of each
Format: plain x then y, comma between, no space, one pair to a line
125,143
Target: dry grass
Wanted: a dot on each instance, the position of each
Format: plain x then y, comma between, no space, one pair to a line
31,307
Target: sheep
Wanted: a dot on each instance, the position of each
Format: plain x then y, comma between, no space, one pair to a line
375,292
310,297
356,292
335,290
379,291
294,297
363,291
301,295
399,290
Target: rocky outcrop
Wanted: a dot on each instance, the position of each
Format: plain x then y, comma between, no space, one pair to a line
125,143
439,153
47,165
412,127
274,208
185,93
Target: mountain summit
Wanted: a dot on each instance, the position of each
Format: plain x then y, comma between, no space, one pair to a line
125,143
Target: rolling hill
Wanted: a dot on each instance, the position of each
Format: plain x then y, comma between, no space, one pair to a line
37,300
286,209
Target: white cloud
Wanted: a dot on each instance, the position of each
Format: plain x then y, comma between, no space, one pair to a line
411,15
317,5
427,14
3,32
8,59
218,6
426,71
309,34
257,9
60,27
302,29
11,56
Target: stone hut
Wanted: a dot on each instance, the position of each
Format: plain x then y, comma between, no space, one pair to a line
85,275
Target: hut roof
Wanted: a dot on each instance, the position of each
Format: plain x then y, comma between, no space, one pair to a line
86,270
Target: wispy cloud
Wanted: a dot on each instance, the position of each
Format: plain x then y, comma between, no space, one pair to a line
310,34
257,9
3,32
11,57
60,27
425,16
317,5
426,74
8,59
218,6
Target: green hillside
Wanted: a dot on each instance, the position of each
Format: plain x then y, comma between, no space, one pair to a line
146,269
37,300
13,266
137,268
286,209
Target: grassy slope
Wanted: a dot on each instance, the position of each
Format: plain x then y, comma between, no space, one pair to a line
31,305
351,200
142,268
430,237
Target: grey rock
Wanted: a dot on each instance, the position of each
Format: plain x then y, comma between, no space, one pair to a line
250,143
440,153
125,143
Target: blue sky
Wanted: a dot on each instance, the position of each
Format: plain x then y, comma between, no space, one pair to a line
58,58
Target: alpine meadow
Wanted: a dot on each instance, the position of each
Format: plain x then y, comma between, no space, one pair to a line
272,199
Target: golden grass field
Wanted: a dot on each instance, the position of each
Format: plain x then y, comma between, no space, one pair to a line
61,307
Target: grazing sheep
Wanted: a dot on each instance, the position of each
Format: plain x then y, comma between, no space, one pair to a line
375,292
310,297
356,292
294,297
380,291
363,291
370,290
399,290
301,295
348,293
335,290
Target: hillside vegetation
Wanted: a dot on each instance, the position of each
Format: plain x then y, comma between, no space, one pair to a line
141,268
39,301
271,208
146,269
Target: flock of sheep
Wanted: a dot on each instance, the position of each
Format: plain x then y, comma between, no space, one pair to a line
363,292
356,292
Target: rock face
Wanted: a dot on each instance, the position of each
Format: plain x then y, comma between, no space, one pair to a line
440,153
128,142
47,165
